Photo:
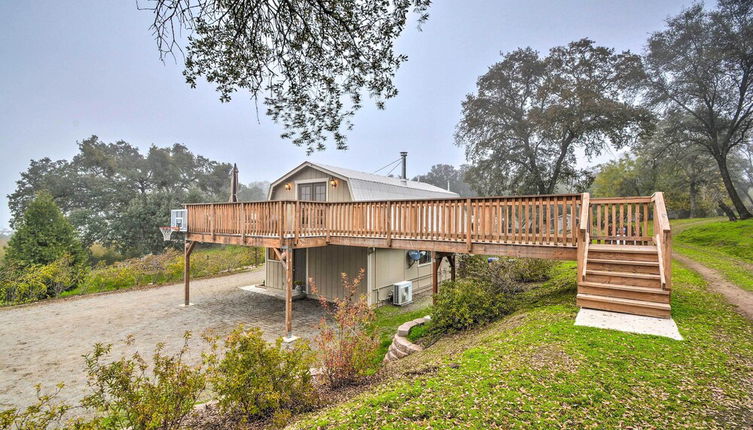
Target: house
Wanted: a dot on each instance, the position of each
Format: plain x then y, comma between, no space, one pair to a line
324,265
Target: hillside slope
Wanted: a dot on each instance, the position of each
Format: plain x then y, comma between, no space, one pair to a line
536,369
719,244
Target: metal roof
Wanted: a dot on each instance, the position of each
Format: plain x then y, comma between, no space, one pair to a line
368,186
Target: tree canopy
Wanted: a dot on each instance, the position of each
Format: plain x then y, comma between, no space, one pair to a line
310,61
116,196
448,177
529,114
699,75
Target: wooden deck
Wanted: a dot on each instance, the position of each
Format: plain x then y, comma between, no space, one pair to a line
564,227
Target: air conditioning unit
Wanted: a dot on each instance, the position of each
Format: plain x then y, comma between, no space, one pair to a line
402,293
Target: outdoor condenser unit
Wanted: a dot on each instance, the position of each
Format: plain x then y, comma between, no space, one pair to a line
402,293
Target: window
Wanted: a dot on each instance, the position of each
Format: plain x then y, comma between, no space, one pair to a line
425,258
271,256
315,191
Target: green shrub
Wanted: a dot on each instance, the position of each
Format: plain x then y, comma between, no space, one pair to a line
463,304
131,393
46,413
504,269
36,282
257,380
530,269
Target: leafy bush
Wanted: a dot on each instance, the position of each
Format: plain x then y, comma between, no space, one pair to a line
463,304
127,395
37,282
258,380
505,269
346,341
45,413
485,292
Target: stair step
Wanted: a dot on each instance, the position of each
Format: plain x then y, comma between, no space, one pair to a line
648,294
623,274
624,262
627,249
626,288
630,306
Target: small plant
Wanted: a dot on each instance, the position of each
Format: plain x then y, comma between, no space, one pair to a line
346,342
45,413
128,395
260,380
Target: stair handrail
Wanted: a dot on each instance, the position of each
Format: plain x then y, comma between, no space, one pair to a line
663,239
584,236
660,255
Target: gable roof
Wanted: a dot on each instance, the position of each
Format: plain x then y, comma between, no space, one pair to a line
369,186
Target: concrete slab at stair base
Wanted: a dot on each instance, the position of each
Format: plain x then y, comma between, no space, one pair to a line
665,327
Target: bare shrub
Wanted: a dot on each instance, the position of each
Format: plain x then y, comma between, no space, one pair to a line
346,342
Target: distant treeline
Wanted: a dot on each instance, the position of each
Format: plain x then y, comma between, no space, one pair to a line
116,196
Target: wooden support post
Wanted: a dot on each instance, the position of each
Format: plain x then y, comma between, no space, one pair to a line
453,272
436,262
288,291
187,249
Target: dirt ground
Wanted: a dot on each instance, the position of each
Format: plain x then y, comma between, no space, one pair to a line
44,342
741,299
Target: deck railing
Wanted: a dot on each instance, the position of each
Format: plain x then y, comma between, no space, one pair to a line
540,220
526,220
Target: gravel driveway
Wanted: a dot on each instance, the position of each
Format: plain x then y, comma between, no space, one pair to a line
44,342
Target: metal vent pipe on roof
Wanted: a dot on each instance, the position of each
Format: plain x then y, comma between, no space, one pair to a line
404,156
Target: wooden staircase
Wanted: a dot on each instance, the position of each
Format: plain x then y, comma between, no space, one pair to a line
626,269
624,278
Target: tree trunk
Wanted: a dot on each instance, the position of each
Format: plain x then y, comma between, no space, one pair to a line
721,161
750,199
693,194
727,211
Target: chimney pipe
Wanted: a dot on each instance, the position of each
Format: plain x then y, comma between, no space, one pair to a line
404,155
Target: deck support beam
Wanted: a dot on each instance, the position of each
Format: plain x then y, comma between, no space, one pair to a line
453,271
187,249
288,264
436,264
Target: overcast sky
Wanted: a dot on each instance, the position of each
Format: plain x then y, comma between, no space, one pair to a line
72,69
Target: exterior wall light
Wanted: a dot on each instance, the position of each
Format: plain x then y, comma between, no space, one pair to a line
333,182
288,187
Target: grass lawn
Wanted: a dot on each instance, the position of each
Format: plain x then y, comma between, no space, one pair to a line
534,368
719,244
389,318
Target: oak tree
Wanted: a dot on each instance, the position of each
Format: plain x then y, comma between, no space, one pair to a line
309,61
530,113
699,70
